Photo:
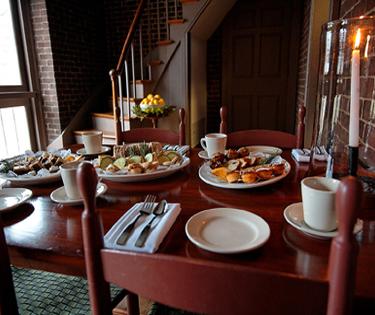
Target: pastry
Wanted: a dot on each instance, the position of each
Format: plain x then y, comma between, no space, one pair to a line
249,177
264,173
233,177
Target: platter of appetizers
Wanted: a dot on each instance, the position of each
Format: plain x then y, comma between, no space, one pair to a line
35,168
244,168
139,162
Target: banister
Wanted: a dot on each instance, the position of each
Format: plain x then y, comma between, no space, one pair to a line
130,35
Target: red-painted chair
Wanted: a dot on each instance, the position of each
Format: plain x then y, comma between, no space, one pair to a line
152,134
104,265
264,137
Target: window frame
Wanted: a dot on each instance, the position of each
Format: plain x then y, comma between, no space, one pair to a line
28,93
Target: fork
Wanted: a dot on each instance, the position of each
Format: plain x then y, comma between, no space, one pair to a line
146,209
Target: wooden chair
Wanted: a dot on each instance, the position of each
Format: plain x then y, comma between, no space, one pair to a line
152,134
264,137
104,265
30,299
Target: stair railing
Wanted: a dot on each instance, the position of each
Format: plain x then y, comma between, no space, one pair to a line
123,77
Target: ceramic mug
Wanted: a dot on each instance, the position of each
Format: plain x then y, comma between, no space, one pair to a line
213,143
92,140
68,174
318,199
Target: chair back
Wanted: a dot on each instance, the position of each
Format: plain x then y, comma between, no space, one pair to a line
152,134
344,249
92,232
8,301
210,295
264,137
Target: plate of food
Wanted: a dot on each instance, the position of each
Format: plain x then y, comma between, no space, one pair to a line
243,168
138,162
35,168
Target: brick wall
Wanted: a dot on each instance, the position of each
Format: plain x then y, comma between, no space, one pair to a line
349,9
45,68
70,49
77,43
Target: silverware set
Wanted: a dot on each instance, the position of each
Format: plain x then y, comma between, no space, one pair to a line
148,208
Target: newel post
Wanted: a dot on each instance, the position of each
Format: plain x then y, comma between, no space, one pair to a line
116,105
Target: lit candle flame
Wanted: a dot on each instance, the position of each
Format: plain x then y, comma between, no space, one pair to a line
357,39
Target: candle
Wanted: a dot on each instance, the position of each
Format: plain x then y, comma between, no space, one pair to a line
354,97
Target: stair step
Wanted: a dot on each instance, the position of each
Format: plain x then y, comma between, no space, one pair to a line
143,81
188,1
108,115
165,42
155,62
176,21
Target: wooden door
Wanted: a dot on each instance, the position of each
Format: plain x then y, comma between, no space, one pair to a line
260,64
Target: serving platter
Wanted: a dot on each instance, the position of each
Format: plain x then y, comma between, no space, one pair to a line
11,198
209,178
43,176
161,172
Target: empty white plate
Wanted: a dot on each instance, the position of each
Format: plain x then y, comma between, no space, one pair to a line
13,197
59,195
227,230
293,214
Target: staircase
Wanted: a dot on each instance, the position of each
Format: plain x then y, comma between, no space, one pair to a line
157,29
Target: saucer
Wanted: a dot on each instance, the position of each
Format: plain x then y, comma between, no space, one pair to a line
203,155
59,195
103,150
293,214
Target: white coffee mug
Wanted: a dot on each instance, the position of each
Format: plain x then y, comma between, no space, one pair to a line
68,175
92,140
213,143
318,199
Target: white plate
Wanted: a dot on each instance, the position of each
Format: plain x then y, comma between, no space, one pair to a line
33,180
128,178
82,151
203,155
59,195
293,214
209,178
13,197
227,230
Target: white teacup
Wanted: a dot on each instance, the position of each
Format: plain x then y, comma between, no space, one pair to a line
318,198
213,143
92,140
68,175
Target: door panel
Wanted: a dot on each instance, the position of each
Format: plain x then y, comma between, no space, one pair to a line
260,64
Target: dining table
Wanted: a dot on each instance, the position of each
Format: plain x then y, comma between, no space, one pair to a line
45,235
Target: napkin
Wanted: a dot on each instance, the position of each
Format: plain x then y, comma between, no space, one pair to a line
159,230
304,155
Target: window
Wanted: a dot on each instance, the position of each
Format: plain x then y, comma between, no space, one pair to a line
17,96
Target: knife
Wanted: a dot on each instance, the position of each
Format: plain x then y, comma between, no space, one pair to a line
159,210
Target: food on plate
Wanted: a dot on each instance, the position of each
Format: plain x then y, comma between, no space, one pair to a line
220,172
32,164
233,177
264,173
243,166
138,158
249,177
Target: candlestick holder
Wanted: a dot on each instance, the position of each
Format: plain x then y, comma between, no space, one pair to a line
337,125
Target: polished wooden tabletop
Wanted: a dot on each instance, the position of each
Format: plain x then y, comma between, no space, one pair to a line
49,237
